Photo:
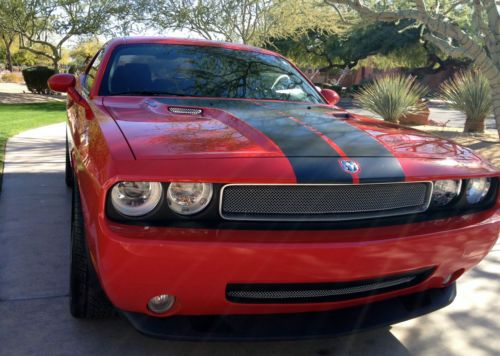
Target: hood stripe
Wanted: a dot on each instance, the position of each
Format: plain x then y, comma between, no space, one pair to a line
307,152
341,153
355,176
311,139
351,142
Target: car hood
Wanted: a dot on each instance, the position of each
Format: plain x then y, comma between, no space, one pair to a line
229,128
304,142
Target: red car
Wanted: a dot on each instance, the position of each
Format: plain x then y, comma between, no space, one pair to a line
219,194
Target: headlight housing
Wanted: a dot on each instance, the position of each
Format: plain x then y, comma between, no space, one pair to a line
189,198
477,189
445,191
136,198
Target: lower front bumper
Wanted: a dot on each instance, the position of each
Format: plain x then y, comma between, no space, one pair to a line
294,326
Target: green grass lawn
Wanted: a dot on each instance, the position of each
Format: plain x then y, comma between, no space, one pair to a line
15,118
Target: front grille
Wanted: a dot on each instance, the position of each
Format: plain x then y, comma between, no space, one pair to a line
323,202
322,292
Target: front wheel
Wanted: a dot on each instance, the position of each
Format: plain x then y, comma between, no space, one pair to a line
87,299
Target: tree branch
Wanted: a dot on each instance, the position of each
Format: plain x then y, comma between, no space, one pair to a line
439,25
446,47
454,6
481,26
39,53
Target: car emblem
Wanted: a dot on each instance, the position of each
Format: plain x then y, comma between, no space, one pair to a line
351,167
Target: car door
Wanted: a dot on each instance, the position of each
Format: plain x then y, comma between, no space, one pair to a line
78,123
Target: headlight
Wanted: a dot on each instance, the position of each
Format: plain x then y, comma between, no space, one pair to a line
136,198
189,198
477,189
445,191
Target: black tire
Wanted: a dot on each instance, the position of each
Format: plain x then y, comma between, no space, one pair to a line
87,299
68,169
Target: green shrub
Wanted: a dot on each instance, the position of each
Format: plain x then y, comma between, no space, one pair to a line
469,93
392,96
36,79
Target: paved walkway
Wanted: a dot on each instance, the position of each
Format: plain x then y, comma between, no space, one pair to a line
13,93
34,316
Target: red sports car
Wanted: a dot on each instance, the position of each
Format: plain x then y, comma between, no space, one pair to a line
219,194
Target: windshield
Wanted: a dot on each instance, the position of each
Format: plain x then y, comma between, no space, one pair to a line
183,70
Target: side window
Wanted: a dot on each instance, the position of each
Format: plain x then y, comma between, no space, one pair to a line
92,72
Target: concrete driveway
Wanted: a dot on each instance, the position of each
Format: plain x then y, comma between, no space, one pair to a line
34,256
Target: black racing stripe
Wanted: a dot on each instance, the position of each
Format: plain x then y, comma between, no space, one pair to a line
313,160
377,163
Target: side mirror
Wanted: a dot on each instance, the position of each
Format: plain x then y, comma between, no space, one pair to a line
61,82
331,96
65,83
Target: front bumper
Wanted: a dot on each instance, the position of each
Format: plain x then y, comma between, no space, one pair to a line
294,326
135,263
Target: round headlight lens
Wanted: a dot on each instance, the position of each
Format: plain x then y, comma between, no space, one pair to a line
477,189
136,198
189,198
445,191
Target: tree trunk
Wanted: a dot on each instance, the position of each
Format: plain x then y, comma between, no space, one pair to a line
8,59
8,55
496,113
492,73
55,62
474,125
495,96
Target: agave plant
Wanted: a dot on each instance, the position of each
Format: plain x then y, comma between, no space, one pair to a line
392,96
469,92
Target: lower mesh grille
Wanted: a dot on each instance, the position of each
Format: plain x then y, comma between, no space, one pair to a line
322,292
322,202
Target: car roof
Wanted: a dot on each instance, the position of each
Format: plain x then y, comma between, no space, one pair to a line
189,42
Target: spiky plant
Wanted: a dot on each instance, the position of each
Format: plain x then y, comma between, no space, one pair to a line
392,96
469,92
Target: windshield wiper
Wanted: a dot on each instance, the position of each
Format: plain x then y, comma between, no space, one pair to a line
148,93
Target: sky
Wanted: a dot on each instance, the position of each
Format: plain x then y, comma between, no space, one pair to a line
147,32
169,33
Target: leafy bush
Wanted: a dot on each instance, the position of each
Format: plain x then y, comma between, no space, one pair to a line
392,96
469,93
36,79
14,77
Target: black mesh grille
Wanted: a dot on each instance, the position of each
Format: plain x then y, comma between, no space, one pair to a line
322,292
323,202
